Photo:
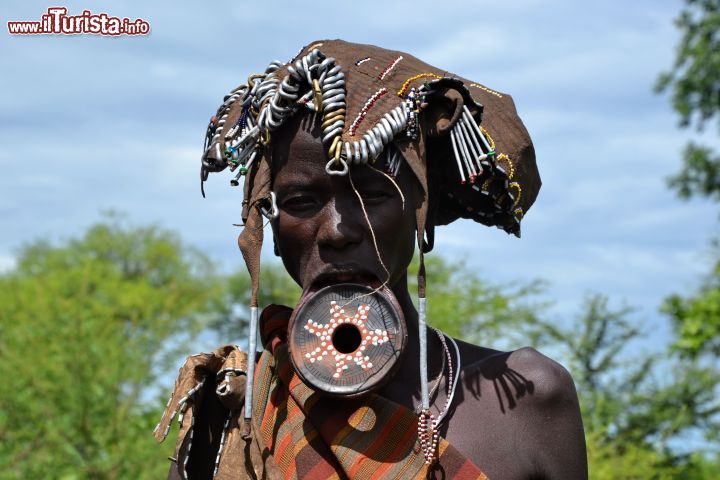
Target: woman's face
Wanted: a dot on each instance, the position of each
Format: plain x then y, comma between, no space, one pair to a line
321,232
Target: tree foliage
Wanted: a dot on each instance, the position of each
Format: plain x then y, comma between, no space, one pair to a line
464,305
231,308
694,85
83,326
637,406
696,318
86,328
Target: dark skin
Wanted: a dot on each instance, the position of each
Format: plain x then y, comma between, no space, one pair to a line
515,414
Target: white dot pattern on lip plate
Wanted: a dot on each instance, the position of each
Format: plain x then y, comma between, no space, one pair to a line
327,349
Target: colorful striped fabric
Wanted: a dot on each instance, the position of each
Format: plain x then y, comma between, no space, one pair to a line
314,437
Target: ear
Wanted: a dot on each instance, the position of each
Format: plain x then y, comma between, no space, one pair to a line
276,250
441,111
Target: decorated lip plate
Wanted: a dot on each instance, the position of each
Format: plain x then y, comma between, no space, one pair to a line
346,339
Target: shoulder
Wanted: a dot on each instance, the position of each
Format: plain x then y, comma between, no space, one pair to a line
533,394
527,374
552,384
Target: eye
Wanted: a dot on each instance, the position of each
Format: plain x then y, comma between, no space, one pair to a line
299,203
375,196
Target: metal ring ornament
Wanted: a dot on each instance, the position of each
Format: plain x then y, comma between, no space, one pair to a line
343,167
274,211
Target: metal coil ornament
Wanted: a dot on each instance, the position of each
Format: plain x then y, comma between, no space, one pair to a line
347,339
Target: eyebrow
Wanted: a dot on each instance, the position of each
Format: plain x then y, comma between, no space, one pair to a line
298,183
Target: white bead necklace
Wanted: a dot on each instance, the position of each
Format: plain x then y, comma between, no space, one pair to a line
427,423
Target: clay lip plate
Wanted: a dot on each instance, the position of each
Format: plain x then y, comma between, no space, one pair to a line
374,379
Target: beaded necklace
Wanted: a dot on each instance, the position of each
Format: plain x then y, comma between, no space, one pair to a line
428,424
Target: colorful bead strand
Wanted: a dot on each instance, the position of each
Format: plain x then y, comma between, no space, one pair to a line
389,68
368,105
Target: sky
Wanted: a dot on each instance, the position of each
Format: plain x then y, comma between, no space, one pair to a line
91,123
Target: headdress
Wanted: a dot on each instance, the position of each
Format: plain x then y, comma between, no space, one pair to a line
376,102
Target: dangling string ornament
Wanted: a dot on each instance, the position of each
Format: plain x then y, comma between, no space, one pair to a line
428,424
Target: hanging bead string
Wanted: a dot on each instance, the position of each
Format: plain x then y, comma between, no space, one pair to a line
510,174
428,424
518,212
489,90
389,68
518,194
428,432
361,61
407,83
487,135
363,111
501,157
453,376
411,106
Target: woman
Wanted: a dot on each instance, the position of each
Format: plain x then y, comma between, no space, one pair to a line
355,154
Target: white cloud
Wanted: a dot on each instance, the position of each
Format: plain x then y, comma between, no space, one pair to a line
92,123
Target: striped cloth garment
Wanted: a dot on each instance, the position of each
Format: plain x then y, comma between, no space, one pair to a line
316,437
296,433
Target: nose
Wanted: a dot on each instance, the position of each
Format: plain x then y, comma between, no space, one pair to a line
340,225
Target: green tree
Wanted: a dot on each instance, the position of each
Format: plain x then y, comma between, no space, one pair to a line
231,313
696,318
466,306
637,406
463,304
694,85
85,329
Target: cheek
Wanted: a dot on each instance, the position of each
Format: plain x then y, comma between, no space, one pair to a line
398,246
295,239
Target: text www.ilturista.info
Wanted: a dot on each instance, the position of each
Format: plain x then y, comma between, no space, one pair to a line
57,22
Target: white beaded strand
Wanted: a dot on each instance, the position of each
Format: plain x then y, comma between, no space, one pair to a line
428,424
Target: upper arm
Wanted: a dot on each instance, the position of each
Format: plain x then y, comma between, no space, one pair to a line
554,423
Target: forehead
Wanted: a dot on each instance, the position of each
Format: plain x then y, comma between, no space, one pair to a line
298,154
297,148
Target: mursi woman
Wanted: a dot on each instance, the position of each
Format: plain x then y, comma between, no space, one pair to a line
355,154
